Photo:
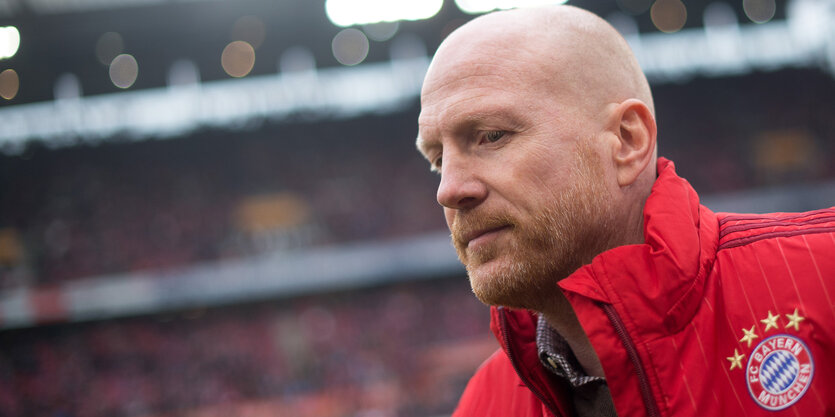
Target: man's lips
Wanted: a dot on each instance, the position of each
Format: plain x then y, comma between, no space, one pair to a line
475,234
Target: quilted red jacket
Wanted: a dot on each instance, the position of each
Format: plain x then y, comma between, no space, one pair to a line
715,315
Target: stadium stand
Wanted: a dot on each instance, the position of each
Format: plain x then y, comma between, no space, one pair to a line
117,207
89,211
80,213
403,350
398,349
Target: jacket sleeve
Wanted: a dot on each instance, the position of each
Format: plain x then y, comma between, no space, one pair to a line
496,391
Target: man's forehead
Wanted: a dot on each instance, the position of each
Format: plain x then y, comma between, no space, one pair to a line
476,71
457,86
474,92
486,68
481,62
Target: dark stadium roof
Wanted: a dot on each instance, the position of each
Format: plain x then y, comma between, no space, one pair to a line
59,36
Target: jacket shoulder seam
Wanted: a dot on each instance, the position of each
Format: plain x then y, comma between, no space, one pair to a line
733,217
742,241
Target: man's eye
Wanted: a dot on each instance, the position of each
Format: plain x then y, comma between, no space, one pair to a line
494,135
436,165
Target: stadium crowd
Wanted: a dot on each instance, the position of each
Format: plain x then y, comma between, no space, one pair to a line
122,206
381,352
402,350
117,207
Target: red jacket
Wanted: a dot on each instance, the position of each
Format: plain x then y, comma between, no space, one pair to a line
715,315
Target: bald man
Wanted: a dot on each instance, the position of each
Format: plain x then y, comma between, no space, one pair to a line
613,291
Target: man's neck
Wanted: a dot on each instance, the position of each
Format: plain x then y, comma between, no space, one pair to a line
561,317
559,314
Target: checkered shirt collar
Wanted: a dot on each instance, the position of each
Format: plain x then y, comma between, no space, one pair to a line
556,356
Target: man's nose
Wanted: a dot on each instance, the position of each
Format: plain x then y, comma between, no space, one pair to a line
460,187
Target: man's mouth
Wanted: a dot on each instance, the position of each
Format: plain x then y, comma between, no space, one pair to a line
481,234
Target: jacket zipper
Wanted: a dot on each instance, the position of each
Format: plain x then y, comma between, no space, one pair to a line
632,352
512,356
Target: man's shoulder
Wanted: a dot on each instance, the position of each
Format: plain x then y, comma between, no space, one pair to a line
737,230
779,258
496,390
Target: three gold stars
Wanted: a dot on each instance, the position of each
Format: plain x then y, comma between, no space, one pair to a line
794,320
770,321
749,336
736,360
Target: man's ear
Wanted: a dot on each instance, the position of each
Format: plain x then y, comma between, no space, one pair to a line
633,124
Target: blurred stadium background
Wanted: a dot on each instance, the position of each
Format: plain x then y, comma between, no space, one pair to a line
214,207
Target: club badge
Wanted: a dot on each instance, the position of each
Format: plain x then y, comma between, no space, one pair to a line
779,371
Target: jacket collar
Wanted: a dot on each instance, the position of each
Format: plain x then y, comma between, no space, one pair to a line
516,333
660,282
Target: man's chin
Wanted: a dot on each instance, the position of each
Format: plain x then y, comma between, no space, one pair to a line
499,282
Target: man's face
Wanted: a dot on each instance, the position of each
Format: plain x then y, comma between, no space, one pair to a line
521,180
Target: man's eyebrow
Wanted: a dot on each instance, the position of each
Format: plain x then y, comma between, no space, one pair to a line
479,117
507,117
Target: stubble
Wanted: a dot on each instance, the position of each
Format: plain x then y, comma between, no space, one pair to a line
523,271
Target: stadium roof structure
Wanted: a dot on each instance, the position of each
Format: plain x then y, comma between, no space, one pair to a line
797,36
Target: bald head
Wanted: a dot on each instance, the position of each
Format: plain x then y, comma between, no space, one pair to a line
540,123
562,48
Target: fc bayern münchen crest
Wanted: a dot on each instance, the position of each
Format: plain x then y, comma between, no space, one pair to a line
779,371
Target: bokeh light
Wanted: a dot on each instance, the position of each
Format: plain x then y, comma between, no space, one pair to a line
238,58
668,15
484,6
9,84
382,31
124,70
759,11
346,13
250,29
350,46
67,86
108,47
9,41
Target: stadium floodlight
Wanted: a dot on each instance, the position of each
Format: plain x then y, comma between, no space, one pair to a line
344,13
9,41
484,6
